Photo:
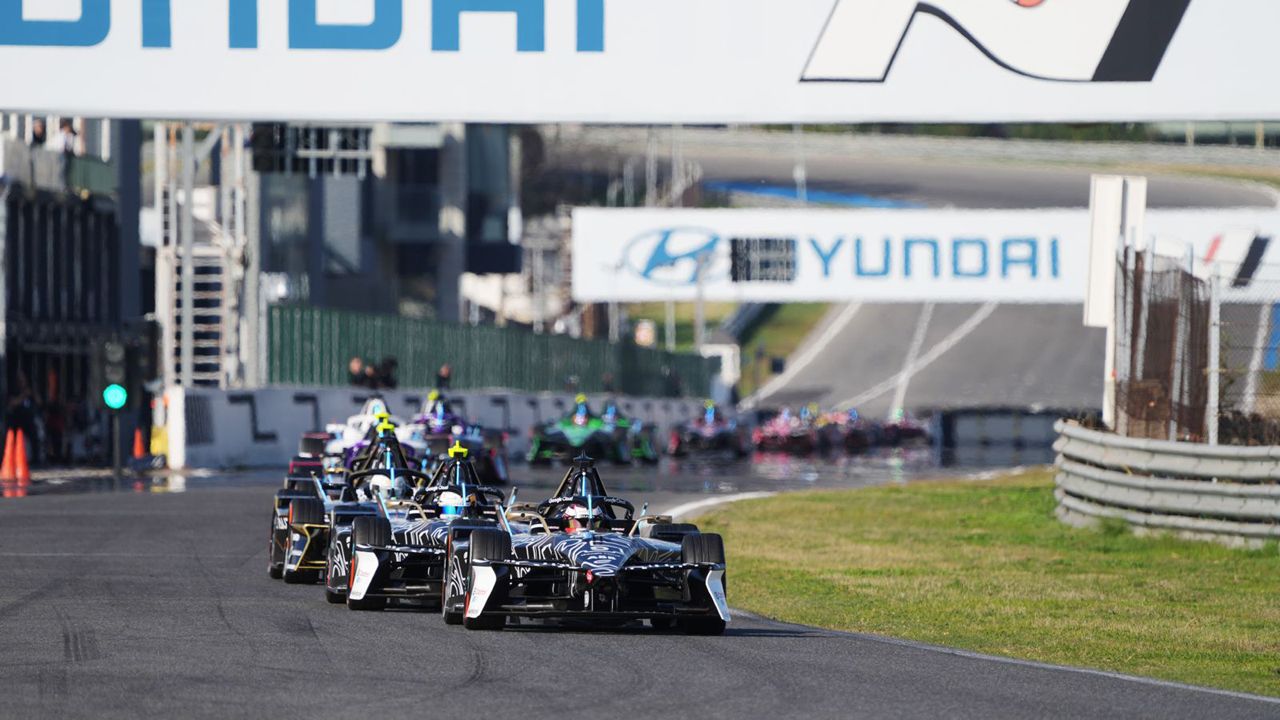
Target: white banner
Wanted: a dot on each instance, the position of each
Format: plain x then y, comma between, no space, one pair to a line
691,61
1010,256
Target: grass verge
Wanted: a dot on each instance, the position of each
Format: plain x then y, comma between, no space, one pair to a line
779,336
985,566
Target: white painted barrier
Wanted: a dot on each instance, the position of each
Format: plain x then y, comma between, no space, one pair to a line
260,428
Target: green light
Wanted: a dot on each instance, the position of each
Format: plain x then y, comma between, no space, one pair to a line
115,396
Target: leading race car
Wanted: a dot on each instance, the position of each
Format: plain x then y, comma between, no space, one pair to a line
585,557
609,435
398,554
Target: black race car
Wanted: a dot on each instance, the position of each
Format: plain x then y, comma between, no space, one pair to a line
309,506
586,557
399,553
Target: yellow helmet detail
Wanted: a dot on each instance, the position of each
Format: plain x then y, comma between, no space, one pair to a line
386,427
433,396
580,399
457,450
382,416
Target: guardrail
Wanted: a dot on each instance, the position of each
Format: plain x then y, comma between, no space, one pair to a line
1225,494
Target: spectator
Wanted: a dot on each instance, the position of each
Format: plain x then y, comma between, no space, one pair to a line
355,372
65,140
38,133
444,376
21,414
370,376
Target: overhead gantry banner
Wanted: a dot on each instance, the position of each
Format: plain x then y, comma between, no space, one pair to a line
648,61
966,256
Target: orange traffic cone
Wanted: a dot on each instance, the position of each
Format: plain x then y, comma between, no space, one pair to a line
21,470
139,451
6,469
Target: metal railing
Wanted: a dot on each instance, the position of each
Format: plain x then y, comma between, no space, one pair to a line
1226,494
310,346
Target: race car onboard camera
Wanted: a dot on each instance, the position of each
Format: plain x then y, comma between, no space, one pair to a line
586,557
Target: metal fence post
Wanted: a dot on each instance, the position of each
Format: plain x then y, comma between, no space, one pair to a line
1215,364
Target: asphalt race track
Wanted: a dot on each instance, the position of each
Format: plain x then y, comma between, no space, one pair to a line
127,604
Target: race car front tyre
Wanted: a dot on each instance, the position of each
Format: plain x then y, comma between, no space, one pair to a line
376,532
699,549
303,511
487,545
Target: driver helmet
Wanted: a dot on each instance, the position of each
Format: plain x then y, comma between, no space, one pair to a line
380,484
451,504
580,517
581,401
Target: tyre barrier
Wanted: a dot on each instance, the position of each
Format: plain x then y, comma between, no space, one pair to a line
1224,494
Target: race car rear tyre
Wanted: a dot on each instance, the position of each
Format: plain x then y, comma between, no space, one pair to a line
334,598
374,531
487,545
312,446
275,551
307,511
700,549
672,532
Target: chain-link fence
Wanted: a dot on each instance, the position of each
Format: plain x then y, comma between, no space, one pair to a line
1249,409
310,346
1170,313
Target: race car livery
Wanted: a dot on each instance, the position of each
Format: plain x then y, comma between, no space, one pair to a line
586,558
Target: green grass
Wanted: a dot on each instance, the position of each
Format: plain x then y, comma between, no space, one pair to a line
985,566
779,336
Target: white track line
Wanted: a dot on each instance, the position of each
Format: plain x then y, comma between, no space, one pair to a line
971,655
934,353
909,363
805,357
700,505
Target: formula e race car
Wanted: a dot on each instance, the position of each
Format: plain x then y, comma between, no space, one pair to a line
347,439
786,432
438,427
398,554
609,435
586,558
310,506
712,432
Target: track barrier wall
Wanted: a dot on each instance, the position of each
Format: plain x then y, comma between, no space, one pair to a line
309,346
261,428
1220,493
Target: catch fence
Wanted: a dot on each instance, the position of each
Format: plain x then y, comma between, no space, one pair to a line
1197,358
310,346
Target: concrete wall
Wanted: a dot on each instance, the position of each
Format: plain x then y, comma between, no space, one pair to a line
260,428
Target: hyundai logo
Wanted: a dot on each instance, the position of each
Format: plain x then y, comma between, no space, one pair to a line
669,256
